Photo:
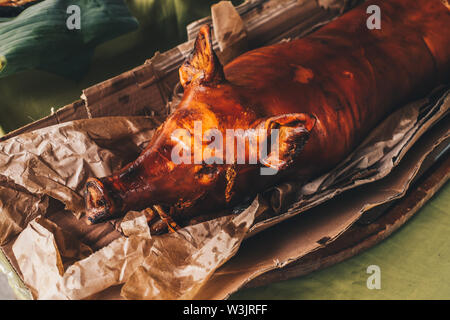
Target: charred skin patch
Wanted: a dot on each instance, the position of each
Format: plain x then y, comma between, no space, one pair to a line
231,178
206,174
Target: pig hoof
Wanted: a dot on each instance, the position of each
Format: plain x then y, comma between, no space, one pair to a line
99,203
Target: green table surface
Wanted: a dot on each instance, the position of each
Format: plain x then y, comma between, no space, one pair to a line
414,264
414,261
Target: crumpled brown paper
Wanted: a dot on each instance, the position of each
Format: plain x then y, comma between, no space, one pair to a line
149,267
180,263
171,266
42,264
56,161
18,207
229,31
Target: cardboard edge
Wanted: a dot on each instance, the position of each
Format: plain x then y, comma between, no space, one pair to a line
361,237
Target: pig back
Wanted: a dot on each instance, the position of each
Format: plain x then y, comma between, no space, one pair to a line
348,76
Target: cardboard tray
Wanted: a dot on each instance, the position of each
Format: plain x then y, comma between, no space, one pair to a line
374,226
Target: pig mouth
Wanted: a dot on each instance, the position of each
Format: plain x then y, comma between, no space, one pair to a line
100,205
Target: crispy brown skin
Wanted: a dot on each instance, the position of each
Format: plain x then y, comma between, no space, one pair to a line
350,77
324,92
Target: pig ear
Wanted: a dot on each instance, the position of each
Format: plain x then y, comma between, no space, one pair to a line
202,66
293,131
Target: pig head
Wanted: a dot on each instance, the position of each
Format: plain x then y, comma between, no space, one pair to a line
209,154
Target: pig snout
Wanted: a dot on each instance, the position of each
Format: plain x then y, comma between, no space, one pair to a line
101,202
